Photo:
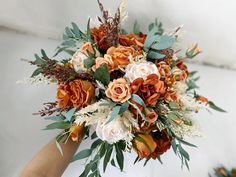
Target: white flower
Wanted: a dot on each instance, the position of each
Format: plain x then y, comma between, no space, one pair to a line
116,130
140,70
181,87
78,61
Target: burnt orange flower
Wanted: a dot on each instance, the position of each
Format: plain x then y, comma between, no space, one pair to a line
99,36
164,69
202,99
78,93
136,41
184,74
144,145
170,96
121,54
104,60
76,132
163,143
150,90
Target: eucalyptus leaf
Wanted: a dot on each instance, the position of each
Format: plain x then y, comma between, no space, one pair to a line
114,114
107,157
76,30
154,55
82,155
37,72
58,125
124,107
138,99
89,62
136,28
70,114
163,42
55,118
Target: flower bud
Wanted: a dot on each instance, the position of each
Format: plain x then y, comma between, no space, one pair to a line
193,51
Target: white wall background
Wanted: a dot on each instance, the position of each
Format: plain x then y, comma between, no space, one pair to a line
209,22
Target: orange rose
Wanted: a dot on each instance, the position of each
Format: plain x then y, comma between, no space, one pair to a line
76,132
163,143
184,74
149,90
121,54
118,90
104,60
144,145
78,93
164,69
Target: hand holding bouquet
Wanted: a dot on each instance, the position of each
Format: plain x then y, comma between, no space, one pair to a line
125,91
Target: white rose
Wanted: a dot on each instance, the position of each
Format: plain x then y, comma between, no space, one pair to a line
113,131
78,61
140,70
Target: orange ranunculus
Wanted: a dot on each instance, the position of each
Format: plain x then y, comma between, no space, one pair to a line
87,47
76,132
144,145
121,55
164,69
78,93
150,90
99,36
163,143
104,60
118,90
170,96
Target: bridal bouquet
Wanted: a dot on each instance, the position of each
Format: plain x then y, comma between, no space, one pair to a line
126,91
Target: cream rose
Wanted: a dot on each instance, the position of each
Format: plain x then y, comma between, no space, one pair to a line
82,54
113,131
118,90
140,70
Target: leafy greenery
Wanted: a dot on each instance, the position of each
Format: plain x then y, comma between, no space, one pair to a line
213,106
158,25
115,112
102,74
58,125
136,28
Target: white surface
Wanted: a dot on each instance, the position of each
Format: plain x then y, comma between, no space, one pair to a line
211,23
21,135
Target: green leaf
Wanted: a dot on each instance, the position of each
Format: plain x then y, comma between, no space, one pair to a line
124,107
70,114
82,155
183,152
55,118
138,99
96,143
163,42
146,161
69,43
88,31
59,147
154,55
114,113
44,55
102,150
113,163
136,28
213,106
76,30
58,125
37,72
174,146
89,62
102,74
120,158
172,116
94,135
107,157
39,61
69,32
